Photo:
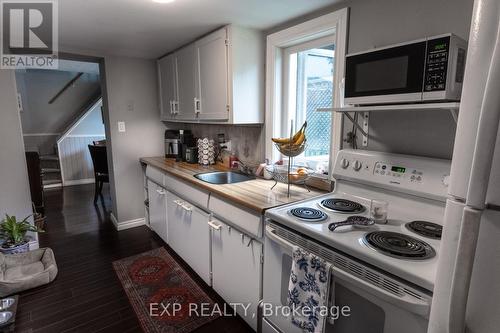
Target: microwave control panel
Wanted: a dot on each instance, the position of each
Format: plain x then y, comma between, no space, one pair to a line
436,65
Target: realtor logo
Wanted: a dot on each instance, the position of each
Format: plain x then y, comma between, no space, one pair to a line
29,34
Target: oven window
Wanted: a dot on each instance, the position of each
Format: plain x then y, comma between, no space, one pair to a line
365,316
382,74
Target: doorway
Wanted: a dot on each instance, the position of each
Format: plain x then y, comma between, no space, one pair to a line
61,114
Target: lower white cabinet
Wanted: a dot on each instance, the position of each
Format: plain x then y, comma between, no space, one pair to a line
189,234
157,209
236,268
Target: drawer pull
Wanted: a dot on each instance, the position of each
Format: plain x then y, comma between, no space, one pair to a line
214,226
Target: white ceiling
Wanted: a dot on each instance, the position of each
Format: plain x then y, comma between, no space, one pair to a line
143,28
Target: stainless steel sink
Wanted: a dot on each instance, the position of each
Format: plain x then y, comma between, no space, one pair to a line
221,177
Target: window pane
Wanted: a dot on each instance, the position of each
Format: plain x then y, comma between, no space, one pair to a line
313,90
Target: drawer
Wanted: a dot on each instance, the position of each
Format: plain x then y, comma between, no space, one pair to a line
239,217
156,175
187,191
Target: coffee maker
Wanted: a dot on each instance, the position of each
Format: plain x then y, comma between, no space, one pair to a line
172,141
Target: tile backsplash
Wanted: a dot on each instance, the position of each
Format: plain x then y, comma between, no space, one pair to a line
247,141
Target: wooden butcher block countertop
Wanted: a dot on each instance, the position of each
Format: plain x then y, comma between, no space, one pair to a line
256,195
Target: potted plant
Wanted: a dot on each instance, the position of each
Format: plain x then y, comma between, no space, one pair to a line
13,233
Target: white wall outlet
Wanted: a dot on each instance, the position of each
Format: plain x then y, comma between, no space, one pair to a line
121,126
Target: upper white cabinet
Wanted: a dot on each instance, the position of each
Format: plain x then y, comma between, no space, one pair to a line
222,76
212,77
167,76
184,60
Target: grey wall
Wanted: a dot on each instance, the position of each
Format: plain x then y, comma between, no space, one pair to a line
132,97
38,86
374,23
15,196
43,122
92,124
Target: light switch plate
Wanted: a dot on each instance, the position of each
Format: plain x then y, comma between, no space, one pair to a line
121,126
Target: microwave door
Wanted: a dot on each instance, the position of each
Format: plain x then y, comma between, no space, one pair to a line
390,75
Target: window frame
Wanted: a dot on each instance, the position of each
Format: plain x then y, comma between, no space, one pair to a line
293,78
327,25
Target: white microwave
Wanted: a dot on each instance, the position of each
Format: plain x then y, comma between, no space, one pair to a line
429,69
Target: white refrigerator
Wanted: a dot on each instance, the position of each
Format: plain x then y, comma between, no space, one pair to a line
467,289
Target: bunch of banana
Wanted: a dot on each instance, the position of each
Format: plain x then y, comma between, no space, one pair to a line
295,141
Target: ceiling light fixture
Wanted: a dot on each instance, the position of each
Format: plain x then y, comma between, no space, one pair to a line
163,1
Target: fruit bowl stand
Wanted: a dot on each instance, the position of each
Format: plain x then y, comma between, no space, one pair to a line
282,174
287,174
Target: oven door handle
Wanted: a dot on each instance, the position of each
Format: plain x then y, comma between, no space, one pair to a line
412,304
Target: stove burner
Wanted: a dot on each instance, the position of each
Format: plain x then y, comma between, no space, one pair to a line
399,245
342,205
309,214
426,229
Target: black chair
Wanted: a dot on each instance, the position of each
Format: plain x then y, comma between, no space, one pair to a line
99,143
100,161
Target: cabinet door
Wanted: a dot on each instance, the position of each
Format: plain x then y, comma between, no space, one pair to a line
185,63
212,77
168,86
189,235
236,268
157,209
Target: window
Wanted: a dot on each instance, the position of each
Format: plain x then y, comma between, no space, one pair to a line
305,66
308,85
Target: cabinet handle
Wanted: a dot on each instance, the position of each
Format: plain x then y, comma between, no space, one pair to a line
186,207
214,226
197,105
161,191
176,107
178,202
171,107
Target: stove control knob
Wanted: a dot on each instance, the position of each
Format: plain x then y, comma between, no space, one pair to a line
357,165
344,163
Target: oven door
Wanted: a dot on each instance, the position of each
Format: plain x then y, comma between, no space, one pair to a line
372,309
390,75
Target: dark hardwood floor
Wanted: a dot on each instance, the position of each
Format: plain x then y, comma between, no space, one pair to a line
87,296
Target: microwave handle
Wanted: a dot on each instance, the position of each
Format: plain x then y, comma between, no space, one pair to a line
420,307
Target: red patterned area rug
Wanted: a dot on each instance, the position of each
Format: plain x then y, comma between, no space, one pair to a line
163,295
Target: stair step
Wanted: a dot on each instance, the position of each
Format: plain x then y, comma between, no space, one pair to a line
51,170
49,158
52,182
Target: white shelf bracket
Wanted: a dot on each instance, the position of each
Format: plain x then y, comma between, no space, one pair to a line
366,121
364,128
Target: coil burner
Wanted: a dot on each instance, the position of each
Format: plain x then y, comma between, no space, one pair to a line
343,206
308,214
426,229
399,245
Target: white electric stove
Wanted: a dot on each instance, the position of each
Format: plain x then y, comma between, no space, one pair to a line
394,260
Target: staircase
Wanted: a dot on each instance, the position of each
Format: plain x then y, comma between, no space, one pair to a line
51,172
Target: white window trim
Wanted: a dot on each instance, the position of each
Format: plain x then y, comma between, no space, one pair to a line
335,22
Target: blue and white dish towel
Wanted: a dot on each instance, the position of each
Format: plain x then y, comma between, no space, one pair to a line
308,290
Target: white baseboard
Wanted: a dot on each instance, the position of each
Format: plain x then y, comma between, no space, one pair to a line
127,224
78,182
